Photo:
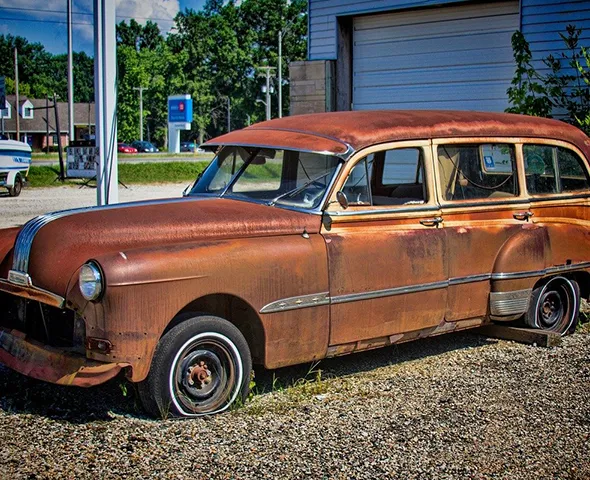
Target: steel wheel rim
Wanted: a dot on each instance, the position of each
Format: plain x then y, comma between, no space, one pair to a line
213,364
556,306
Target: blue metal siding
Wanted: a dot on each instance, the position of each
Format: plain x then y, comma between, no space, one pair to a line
543,21
323,13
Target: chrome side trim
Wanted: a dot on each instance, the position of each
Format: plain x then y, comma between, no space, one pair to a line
499,301
510,303
567,268
382,211
389,292
292,303
469,279
540,273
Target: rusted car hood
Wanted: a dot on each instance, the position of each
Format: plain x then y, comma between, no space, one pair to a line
64,244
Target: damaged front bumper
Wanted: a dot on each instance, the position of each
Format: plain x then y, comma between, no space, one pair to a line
52,365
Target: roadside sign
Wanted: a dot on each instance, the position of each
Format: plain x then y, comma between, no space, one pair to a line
82,162
2,93
180,109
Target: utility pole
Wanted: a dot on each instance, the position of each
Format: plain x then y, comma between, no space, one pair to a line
280,74
47,123
267,72
16,91
105,69
141,89
70,77
228,115
62,174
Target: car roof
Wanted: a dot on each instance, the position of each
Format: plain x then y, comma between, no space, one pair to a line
341,133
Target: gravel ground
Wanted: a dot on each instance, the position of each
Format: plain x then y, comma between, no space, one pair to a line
36,201
453,407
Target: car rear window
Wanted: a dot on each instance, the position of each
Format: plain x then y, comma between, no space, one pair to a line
477,171
551,169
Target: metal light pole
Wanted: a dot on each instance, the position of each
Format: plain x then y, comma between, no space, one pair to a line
267,72
268,94
17,95
105,63
280,74
141,89
228,115
70,76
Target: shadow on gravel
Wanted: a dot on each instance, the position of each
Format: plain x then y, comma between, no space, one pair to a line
20,394
369,360
23,395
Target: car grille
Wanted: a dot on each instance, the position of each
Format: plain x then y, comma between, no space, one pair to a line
49,325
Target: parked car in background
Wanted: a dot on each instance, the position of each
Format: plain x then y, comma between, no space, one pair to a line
188,146
15,160
124,148
306,237
143,146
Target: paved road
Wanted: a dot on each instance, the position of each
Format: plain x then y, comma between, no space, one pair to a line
188,157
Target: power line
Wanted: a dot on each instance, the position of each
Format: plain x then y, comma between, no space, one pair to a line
23,9
13,19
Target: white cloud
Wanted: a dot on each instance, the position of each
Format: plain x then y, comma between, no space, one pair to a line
160,11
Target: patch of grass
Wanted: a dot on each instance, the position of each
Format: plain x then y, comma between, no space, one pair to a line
129,173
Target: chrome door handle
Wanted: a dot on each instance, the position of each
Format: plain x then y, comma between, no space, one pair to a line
522,215
431,222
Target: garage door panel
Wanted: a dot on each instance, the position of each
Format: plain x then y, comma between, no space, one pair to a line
410,17
398,62
434,75
454,43
481,105
455,92
449,56
436,29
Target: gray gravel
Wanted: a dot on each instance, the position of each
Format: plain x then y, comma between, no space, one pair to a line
454,407
37,201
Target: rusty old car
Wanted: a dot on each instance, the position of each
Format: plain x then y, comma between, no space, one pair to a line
306,237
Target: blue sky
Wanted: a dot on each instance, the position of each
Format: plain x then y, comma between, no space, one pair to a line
41,20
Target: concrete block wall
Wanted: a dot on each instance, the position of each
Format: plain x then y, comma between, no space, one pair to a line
308,86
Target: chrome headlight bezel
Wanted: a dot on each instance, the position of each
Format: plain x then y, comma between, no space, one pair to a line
91,281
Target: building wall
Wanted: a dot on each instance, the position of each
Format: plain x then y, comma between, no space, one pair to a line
308,87
323,23
543,20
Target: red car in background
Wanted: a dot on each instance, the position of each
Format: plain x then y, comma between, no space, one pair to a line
124,148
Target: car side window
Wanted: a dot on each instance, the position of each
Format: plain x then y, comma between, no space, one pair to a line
400,180
357,188
539,167
551,169
572,174
388,177
477,171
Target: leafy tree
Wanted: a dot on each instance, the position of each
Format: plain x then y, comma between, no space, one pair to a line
564,91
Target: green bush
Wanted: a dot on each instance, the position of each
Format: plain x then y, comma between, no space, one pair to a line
564,91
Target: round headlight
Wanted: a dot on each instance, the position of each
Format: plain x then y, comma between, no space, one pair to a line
90,281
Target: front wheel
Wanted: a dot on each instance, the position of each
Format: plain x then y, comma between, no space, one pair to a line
554,306
201,366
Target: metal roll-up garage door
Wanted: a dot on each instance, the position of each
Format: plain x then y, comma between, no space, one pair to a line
457,57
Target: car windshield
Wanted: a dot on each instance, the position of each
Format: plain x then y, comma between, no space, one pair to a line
271,176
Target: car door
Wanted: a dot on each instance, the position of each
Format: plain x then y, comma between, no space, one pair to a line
386,249
483,205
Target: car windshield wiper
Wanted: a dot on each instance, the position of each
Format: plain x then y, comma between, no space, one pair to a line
297,190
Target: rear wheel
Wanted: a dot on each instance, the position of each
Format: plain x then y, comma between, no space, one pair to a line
201,366
15,190
554,306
